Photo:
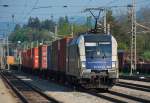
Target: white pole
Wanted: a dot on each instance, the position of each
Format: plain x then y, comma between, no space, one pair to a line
72,29
8,53
2,55
105,21
55,32
108,29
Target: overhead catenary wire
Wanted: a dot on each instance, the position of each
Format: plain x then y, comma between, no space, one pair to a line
109,4
35,4
25,5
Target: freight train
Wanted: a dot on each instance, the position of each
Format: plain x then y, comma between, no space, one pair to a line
89,60
143,67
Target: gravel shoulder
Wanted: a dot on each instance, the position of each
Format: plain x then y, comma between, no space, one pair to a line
135,82
59,92
66,95
132,92
5,95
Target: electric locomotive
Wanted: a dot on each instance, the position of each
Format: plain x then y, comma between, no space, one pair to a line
92,61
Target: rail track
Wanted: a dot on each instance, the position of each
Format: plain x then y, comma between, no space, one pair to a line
123,93
134,86
26,92
137,78
118,95
137,85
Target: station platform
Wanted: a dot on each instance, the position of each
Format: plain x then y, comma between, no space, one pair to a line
5,94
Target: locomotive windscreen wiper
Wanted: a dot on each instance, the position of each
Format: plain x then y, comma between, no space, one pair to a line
104,56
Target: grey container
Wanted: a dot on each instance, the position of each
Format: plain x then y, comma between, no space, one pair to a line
55,55
49,57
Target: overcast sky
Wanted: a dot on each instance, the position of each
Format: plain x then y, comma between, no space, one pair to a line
23,9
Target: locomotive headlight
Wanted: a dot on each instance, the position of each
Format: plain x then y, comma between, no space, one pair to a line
98,52
113,64
83,64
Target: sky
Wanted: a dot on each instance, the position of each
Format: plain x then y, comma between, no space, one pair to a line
46,9
23,9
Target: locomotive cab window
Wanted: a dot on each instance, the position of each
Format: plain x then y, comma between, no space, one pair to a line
98,50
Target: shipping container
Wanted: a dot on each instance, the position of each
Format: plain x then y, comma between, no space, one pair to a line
43,57
62,61
121,59
35,58
26,58
10,60
0,59
12,52
23,58
49,57
29,58
55,55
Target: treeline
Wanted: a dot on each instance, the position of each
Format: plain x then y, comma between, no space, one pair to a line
120,27
44,30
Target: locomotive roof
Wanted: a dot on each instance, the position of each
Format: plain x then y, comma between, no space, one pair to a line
92,38
97,38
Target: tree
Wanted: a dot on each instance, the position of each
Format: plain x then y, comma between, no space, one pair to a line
80,28
19,35
146,55
32,31
89,22
17,27
110,18
119,29
64,27
34,23
49,25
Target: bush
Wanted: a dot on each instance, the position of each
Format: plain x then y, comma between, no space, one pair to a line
146,55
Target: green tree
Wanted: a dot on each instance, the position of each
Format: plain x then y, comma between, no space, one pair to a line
17,27
34,23
146,55
48,24
80,28
64,27
19,35
89,22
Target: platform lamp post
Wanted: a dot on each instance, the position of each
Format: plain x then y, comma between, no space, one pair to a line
72,27
56,31
5,5
19,55
8,53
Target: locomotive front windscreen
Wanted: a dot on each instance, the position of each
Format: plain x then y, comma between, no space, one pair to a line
98,55
98,50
